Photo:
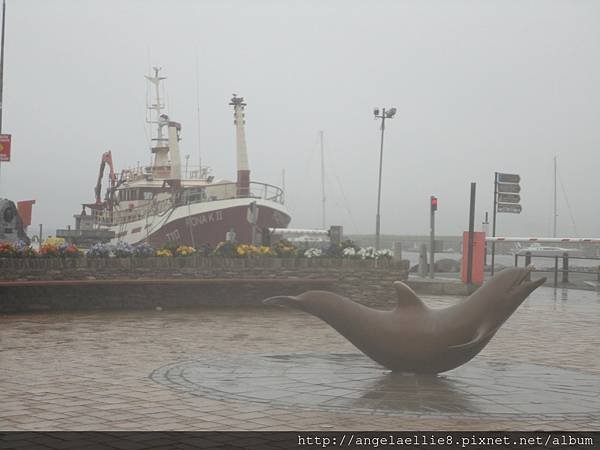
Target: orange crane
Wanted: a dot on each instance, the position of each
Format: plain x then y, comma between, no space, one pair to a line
106,159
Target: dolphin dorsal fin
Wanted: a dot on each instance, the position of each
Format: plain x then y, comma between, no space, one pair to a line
406,296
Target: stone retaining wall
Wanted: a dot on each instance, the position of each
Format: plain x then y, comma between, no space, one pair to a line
368,282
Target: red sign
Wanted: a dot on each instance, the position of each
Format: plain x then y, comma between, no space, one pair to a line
24,209
5,147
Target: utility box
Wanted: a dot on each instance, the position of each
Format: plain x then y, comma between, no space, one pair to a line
477,274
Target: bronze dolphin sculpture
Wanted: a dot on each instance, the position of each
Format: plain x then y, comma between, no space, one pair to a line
414,338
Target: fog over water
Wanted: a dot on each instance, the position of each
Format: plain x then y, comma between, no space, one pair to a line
479,87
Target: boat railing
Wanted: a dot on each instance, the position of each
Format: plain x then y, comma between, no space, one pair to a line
189,196
228,191
188,172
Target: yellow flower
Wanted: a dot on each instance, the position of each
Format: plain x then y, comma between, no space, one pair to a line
54,242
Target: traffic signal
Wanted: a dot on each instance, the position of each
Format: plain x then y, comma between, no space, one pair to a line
434,203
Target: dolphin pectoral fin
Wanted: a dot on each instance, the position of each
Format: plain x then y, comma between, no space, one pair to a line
281,300
477,340
406,296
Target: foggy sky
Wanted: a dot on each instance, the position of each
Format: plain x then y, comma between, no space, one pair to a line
480,86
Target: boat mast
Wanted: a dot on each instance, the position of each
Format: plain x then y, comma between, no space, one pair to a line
159,146
243,170
322,179
555,212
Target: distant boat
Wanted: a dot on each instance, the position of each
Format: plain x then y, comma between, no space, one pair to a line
544,250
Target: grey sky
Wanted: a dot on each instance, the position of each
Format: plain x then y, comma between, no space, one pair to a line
479,86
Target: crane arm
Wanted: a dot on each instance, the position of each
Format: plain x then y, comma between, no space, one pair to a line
106,159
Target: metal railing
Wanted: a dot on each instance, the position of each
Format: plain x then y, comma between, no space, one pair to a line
564,270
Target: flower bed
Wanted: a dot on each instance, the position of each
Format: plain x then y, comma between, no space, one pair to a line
58,248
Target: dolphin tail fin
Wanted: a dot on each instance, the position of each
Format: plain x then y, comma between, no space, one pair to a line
406,296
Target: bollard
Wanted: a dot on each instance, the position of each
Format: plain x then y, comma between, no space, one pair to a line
397,251
598,274
336,234
423,269
565,276
527,259
555,271
516,260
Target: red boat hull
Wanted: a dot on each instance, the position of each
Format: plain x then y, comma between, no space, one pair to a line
210,227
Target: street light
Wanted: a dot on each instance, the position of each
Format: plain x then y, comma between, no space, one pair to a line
385,114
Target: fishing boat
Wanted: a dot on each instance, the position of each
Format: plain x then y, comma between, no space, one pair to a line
161,203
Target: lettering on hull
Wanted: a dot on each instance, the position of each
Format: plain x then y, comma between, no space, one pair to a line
201,219
174,236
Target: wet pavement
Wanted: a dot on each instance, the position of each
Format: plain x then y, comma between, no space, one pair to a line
352,382
276,369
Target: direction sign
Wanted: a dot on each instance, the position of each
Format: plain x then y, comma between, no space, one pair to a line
508,178
509,187
509,208
509,198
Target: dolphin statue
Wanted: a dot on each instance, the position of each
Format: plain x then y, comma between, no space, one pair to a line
414,338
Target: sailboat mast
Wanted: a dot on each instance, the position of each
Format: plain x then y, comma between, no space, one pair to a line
555,213
322,178
198,116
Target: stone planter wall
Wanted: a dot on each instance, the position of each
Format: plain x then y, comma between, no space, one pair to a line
368,282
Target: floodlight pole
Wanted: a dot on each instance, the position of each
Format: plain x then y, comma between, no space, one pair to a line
384,115
2,61
2,64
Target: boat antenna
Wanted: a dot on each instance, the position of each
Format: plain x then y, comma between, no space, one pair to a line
322,178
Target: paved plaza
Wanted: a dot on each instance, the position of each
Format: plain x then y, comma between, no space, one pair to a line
277,369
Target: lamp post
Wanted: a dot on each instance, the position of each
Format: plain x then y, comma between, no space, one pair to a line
385,114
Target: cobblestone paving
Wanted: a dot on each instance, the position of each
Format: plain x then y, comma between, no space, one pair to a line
92,371
352,382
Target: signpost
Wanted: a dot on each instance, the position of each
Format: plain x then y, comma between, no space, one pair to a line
506,200
504,208
509,187
433,206
471,235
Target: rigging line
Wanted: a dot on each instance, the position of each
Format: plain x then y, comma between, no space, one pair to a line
190,223
345,200
304,172
567,202
168,105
